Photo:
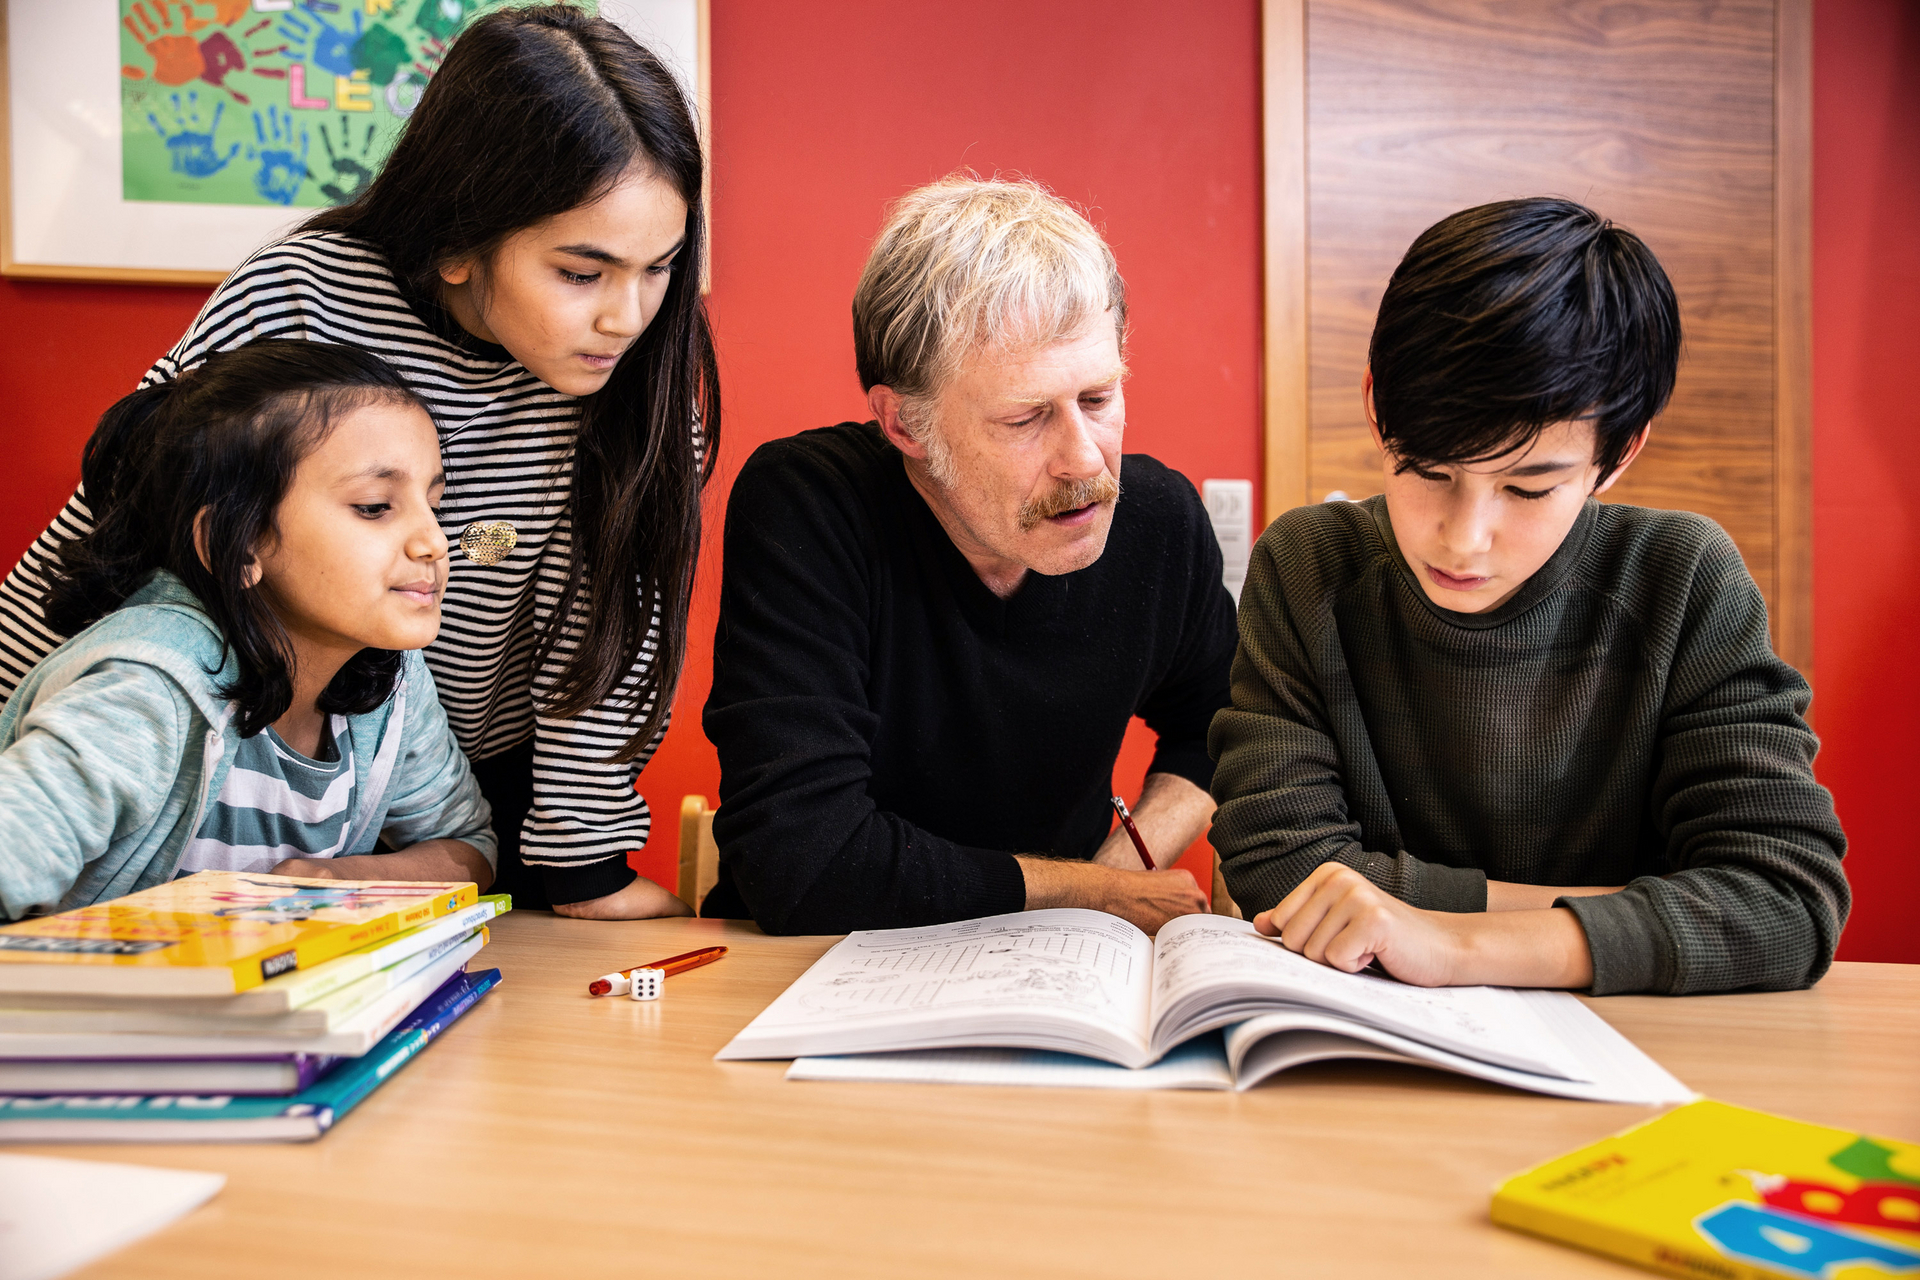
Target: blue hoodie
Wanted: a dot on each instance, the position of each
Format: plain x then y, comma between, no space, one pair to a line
113,747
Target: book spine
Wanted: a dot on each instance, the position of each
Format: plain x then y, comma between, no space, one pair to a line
343,1090
309,1067
1699,1262
393,952
361,995
339,942
312,986
436,1016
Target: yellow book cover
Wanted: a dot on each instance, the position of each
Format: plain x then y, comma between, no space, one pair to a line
214,933
1717,1191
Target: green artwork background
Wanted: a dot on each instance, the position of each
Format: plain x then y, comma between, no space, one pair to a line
272,102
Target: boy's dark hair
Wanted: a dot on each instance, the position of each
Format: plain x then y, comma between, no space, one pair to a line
224,438
537,111
1507,318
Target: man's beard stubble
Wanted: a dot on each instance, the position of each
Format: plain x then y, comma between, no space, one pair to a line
1070,496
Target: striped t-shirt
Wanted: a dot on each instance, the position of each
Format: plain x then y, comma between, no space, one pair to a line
276,804
507,440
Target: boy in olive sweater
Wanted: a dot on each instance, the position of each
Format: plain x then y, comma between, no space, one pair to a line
1487,729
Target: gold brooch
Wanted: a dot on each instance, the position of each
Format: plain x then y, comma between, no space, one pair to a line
488,541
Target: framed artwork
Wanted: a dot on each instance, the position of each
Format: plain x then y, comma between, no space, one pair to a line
164,140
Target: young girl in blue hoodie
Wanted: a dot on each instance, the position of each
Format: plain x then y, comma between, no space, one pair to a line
244,689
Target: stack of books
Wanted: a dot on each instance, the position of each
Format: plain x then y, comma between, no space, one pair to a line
229,1006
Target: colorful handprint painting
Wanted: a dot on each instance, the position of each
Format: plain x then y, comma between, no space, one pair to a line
272,102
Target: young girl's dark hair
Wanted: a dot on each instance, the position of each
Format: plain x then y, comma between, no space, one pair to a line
1509,317
537,111
223,439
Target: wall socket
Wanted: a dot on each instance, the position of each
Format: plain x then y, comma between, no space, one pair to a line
1230,507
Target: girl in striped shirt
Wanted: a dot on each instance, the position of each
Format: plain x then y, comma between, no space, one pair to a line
529,260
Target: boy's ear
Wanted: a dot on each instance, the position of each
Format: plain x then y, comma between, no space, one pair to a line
250,577
1626,460
1366,398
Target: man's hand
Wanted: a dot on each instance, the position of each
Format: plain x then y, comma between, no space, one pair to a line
1171,815
641,900
1146,899
1338,917
428,860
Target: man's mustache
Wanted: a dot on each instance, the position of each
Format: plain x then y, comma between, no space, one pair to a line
1070,496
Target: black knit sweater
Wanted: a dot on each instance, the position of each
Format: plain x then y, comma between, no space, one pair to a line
891,733
1621,720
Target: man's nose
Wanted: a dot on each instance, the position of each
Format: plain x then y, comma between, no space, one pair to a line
1076,454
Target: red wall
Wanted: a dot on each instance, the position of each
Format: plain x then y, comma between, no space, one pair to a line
1866,329
1148,114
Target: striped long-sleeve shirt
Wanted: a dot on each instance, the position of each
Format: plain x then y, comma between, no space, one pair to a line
507,439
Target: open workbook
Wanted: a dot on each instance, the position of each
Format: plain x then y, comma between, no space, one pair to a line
922,1004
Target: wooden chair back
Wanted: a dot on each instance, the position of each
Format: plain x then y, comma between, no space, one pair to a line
699,855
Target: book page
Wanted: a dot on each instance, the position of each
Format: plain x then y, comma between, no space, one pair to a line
1619,1071
1200,1063
1064,979
1210,970
58,1215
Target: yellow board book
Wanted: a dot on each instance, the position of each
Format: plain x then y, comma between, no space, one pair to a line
1717,1191
215,933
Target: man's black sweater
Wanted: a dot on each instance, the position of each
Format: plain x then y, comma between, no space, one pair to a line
891,733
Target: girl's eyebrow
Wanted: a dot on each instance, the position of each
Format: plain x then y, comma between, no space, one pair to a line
385,471
596,254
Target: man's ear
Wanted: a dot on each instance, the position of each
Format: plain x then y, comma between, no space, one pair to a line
885,403
1626,460
1366,398
249,578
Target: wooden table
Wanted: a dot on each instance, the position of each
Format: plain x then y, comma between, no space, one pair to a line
550,1134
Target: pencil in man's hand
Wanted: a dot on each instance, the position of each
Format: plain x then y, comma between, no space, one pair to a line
1133,833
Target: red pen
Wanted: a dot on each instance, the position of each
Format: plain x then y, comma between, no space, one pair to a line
1133,833
671,965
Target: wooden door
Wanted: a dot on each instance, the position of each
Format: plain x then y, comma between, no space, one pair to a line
1686,122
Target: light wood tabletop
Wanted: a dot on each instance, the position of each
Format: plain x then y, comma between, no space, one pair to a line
552,1134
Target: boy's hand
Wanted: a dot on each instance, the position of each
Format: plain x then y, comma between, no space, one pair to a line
1340,918
641,900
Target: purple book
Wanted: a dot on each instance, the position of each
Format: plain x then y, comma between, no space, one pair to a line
287,1073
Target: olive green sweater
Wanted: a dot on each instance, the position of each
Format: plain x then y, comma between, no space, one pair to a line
1621,720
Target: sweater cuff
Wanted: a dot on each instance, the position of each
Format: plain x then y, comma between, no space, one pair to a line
1444,888
589,880
1631,950
1187,760
998,885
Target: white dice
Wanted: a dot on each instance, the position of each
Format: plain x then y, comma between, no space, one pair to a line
646,984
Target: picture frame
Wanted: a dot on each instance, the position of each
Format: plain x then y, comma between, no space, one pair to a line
64,170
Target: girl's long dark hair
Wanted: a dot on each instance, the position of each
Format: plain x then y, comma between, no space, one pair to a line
537,111
223,439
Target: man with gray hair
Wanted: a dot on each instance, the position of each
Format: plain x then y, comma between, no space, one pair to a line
935,626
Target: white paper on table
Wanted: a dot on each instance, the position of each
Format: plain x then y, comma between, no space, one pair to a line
58,1215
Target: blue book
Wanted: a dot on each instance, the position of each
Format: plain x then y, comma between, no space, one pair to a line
304,1116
